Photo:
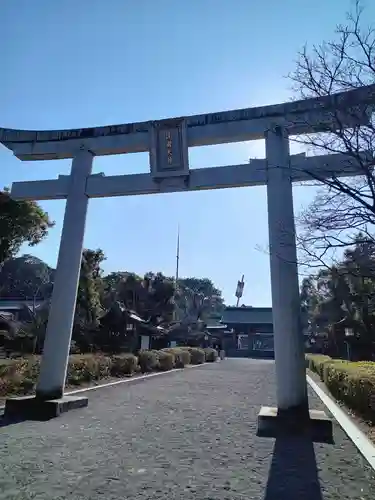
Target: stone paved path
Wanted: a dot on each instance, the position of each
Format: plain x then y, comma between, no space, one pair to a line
188,435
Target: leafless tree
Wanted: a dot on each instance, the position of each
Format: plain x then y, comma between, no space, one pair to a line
344,205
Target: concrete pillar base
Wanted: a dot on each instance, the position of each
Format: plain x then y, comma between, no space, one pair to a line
34,408
315,425
58,393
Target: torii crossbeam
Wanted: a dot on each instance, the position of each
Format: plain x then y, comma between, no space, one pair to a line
167,142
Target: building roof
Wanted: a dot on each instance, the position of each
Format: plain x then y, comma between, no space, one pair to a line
6,315
216,327
17,304
247,315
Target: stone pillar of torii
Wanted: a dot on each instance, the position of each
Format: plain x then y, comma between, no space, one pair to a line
167,142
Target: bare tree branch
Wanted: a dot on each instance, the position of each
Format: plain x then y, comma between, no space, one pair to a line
344,206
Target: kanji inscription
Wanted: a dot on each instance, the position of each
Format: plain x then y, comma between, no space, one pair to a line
168,150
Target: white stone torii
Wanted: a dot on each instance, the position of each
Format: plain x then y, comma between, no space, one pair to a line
167,142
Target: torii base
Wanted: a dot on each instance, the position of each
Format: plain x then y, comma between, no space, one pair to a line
33,408
315,425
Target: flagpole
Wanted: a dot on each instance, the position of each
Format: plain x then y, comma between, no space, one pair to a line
177,254
177,269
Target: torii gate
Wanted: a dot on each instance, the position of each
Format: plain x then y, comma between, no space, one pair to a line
167,142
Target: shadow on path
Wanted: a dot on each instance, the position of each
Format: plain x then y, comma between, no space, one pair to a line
6,421
293,473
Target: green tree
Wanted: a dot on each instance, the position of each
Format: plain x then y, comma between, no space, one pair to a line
159,304
132,292
20,222
26,277
110,288
151,297
88,305
198,298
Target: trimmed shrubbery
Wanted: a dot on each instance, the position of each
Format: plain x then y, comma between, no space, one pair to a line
316,363
148,361
197,355
83,368
27,366
211,354
166,361
181,356
19,376
124,364
192,355
353,383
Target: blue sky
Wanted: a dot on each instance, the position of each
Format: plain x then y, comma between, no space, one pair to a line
93,62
